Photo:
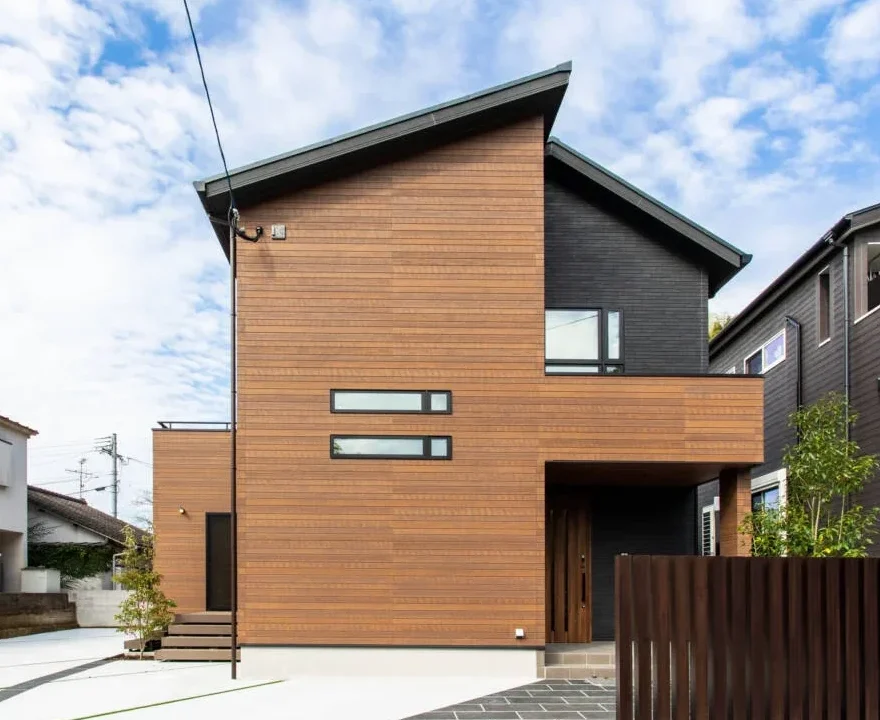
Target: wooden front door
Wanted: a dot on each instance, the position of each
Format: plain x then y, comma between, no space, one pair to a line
568,604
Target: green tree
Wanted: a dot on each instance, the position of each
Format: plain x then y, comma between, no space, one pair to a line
717,323
146,612
825,471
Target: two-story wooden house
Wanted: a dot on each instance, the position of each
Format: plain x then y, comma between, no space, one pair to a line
472,368
815,329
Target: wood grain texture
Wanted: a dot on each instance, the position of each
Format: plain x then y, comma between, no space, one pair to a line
427,273
190,470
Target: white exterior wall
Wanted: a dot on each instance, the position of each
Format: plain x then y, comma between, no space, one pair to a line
61,530
13,507
96,608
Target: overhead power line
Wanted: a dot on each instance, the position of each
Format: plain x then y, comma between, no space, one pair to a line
210,107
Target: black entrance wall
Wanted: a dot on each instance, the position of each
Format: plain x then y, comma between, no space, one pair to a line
636,521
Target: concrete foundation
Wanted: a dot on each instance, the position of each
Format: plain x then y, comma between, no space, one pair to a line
285,661
96,608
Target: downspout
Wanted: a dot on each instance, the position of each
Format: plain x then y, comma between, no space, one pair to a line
233,469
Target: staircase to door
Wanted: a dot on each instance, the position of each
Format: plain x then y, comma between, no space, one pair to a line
198,636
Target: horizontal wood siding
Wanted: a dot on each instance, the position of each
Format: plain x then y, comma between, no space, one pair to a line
190,470
427,273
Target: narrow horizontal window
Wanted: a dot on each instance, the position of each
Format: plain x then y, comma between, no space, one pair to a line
571,369
391,447
391,401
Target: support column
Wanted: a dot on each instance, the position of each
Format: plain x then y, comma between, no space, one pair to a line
736,502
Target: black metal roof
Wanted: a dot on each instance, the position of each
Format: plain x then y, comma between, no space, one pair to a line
538,94
815,255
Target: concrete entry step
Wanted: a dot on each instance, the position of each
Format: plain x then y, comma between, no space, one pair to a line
187,629
197,641
579,661
196,654
204,618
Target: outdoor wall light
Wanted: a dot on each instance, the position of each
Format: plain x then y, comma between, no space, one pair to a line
181,510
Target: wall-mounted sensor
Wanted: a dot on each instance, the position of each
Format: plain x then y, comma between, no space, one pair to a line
279,232
519,633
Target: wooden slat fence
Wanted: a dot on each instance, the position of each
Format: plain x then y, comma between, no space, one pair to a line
722,637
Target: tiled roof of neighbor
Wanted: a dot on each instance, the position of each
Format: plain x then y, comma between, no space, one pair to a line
12,425
81,513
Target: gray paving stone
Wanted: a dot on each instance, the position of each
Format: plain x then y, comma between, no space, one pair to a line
541,700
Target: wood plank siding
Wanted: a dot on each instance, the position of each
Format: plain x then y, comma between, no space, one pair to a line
427,273
190,471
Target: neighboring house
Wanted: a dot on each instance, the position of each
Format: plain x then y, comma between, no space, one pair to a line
815,329
472,369
13,502
57,519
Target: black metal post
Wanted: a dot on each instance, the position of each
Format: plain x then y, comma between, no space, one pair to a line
233,422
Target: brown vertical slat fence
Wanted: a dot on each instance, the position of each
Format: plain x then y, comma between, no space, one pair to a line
724,637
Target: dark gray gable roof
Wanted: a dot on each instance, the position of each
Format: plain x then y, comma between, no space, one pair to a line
721,259
538,94
816,255
80,513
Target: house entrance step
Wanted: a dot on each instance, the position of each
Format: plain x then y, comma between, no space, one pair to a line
196,641
196,654
187,629
580,661
204,618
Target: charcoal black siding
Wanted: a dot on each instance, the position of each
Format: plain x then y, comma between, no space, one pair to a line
644,521
823,370
598,256
822,366
865,393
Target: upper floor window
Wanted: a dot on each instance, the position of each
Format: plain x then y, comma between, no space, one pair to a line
823,309
769,355
583,341
391,447
5,462
438,402
867,276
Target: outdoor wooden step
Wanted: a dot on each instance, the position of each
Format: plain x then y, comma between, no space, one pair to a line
187,629
195,654
196,641
204,618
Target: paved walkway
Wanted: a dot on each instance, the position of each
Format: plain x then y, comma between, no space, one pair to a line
542,700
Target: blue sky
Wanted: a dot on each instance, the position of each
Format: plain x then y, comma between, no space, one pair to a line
756,118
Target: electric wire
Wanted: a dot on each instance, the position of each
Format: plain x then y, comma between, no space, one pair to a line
210,105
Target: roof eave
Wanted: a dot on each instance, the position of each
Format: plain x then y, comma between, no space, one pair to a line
816,254
731,259
538,94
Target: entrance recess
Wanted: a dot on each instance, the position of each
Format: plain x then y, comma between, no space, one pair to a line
569,591
218,565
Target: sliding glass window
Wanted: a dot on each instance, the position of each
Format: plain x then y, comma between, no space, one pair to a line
438,402
391,447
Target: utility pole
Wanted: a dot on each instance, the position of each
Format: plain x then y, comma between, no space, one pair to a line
108,447
82,475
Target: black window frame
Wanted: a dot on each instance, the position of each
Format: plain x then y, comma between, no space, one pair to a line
824,306
426,447
604,364
425,402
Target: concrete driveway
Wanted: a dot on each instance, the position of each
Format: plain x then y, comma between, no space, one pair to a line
150,690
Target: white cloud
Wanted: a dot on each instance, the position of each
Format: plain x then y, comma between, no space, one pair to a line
111,281
854,43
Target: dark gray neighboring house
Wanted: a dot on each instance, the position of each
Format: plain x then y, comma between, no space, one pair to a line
816,328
